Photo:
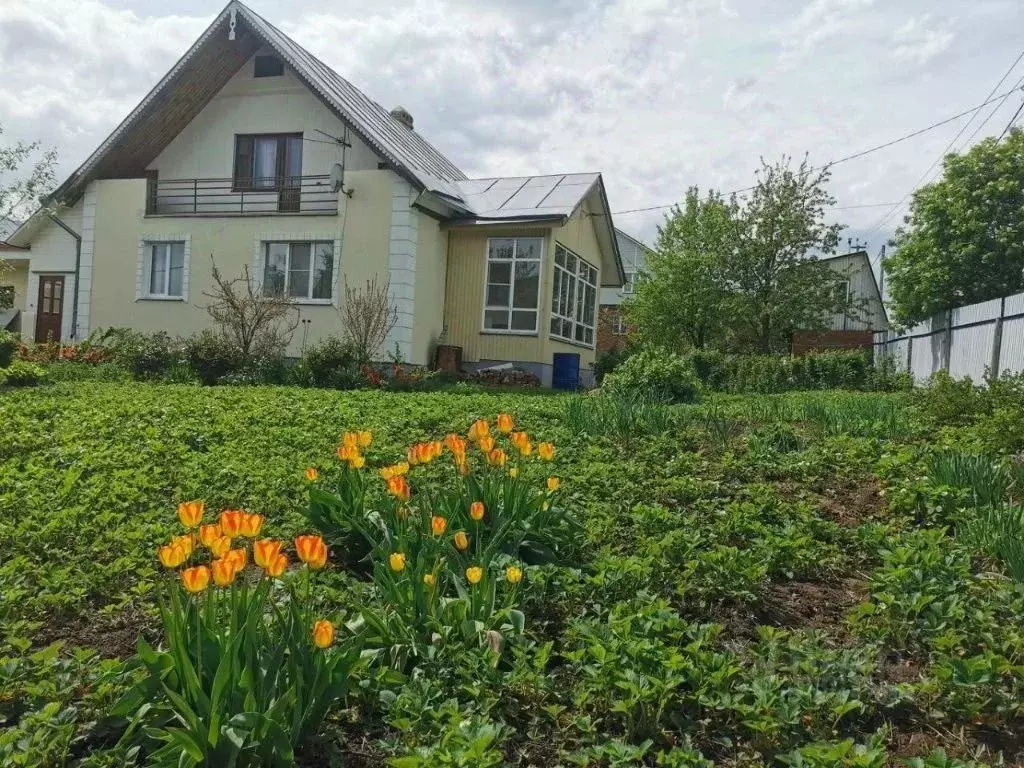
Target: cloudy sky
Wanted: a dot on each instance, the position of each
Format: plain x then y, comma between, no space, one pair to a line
657,94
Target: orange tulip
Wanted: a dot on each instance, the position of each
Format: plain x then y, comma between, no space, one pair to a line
251,524
476,510
438,525
497,458
456,445
399,488
463,468
312,474
486,444
474,573
238,557
209,533
171,556
505,423
219,547
436,447
323,633
546,451
479,429
348,452
231,522
350,439
412,456
186,542
191,512
461,541
224,571
364,438
265,551
553,484
195,579
312,551
396,560
277,565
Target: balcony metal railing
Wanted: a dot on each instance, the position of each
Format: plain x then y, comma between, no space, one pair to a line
241,197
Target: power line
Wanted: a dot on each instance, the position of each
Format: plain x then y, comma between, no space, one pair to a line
988,99
855,155
989,116
1013,120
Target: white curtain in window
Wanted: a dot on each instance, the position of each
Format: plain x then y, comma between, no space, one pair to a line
264,162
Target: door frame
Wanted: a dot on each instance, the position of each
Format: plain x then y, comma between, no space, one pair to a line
40,279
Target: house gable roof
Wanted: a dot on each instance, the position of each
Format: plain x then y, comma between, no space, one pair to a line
863,257
209,64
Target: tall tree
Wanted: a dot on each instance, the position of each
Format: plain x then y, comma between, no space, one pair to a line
963,240
681,298
775,282
27,172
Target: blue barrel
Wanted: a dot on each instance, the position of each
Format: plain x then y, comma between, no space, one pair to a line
565,373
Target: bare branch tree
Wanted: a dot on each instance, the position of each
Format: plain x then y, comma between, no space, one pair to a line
256,325
368,318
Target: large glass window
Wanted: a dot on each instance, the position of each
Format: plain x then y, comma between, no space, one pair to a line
512,291
268,161
573,298
165,269
299,270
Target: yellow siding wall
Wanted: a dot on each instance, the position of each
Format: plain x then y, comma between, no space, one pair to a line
431,267
231,242
15,273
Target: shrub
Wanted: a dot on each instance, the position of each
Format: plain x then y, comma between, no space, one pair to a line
610,359
657,374
145,355
8,346
22,374
333,363
212,356
368,317
243,681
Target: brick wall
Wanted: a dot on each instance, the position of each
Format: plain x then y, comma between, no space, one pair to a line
824,341
606,336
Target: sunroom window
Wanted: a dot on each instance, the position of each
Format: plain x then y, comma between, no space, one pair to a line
573,298
512,290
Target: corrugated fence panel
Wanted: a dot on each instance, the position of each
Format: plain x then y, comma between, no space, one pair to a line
1011,357
971,350
976,313
924,360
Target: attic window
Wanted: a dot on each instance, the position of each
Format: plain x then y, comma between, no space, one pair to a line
268,66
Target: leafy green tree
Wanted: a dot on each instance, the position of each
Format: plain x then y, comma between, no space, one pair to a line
774,280
963,240
682,296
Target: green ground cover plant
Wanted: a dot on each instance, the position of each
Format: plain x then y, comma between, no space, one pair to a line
806,579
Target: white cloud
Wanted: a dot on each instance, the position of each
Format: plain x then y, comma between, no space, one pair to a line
657,94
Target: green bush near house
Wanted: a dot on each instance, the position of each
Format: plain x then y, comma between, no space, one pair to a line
655,373
22,374
211,357
8,346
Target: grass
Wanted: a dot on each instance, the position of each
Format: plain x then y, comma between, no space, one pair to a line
741,592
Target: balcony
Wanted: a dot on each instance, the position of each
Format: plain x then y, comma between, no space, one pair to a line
291,196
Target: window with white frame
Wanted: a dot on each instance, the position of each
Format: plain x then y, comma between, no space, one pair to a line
630,283
619,326
573,298
164,270
299,270
512,290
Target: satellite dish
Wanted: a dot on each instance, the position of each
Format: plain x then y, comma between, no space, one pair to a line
337,176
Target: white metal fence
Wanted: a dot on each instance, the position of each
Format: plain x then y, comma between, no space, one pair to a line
964,341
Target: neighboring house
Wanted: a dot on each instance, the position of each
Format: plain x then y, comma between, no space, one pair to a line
849,331
251,152
13,277
612,328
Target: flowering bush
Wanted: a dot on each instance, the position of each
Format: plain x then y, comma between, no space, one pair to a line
240,680
447,556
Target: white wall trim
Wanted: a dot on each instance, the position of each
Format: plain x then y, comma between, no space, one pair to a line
142,267
403,240
256,268
88,253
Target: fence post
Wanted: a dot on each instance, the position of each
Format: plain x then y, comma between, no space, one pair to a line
910,354
948,346
997,340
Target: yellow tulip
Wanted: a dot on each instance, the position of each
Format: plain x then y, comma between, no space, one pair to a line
312,551
486,444
186,542
312,474
514,574
479,429
505,423
231,522
224,571
476,510
364,438
461,541
553,483
219,547
474,574
323,633
438,525
209,533
397,561
350,439
195,579
171,556
348,452
546,451
513,473
251,524
239,557
265,551
429,579
278,565
191,512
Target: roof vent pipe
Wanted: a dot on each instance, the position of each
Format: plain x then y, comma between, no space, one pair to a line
401,114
